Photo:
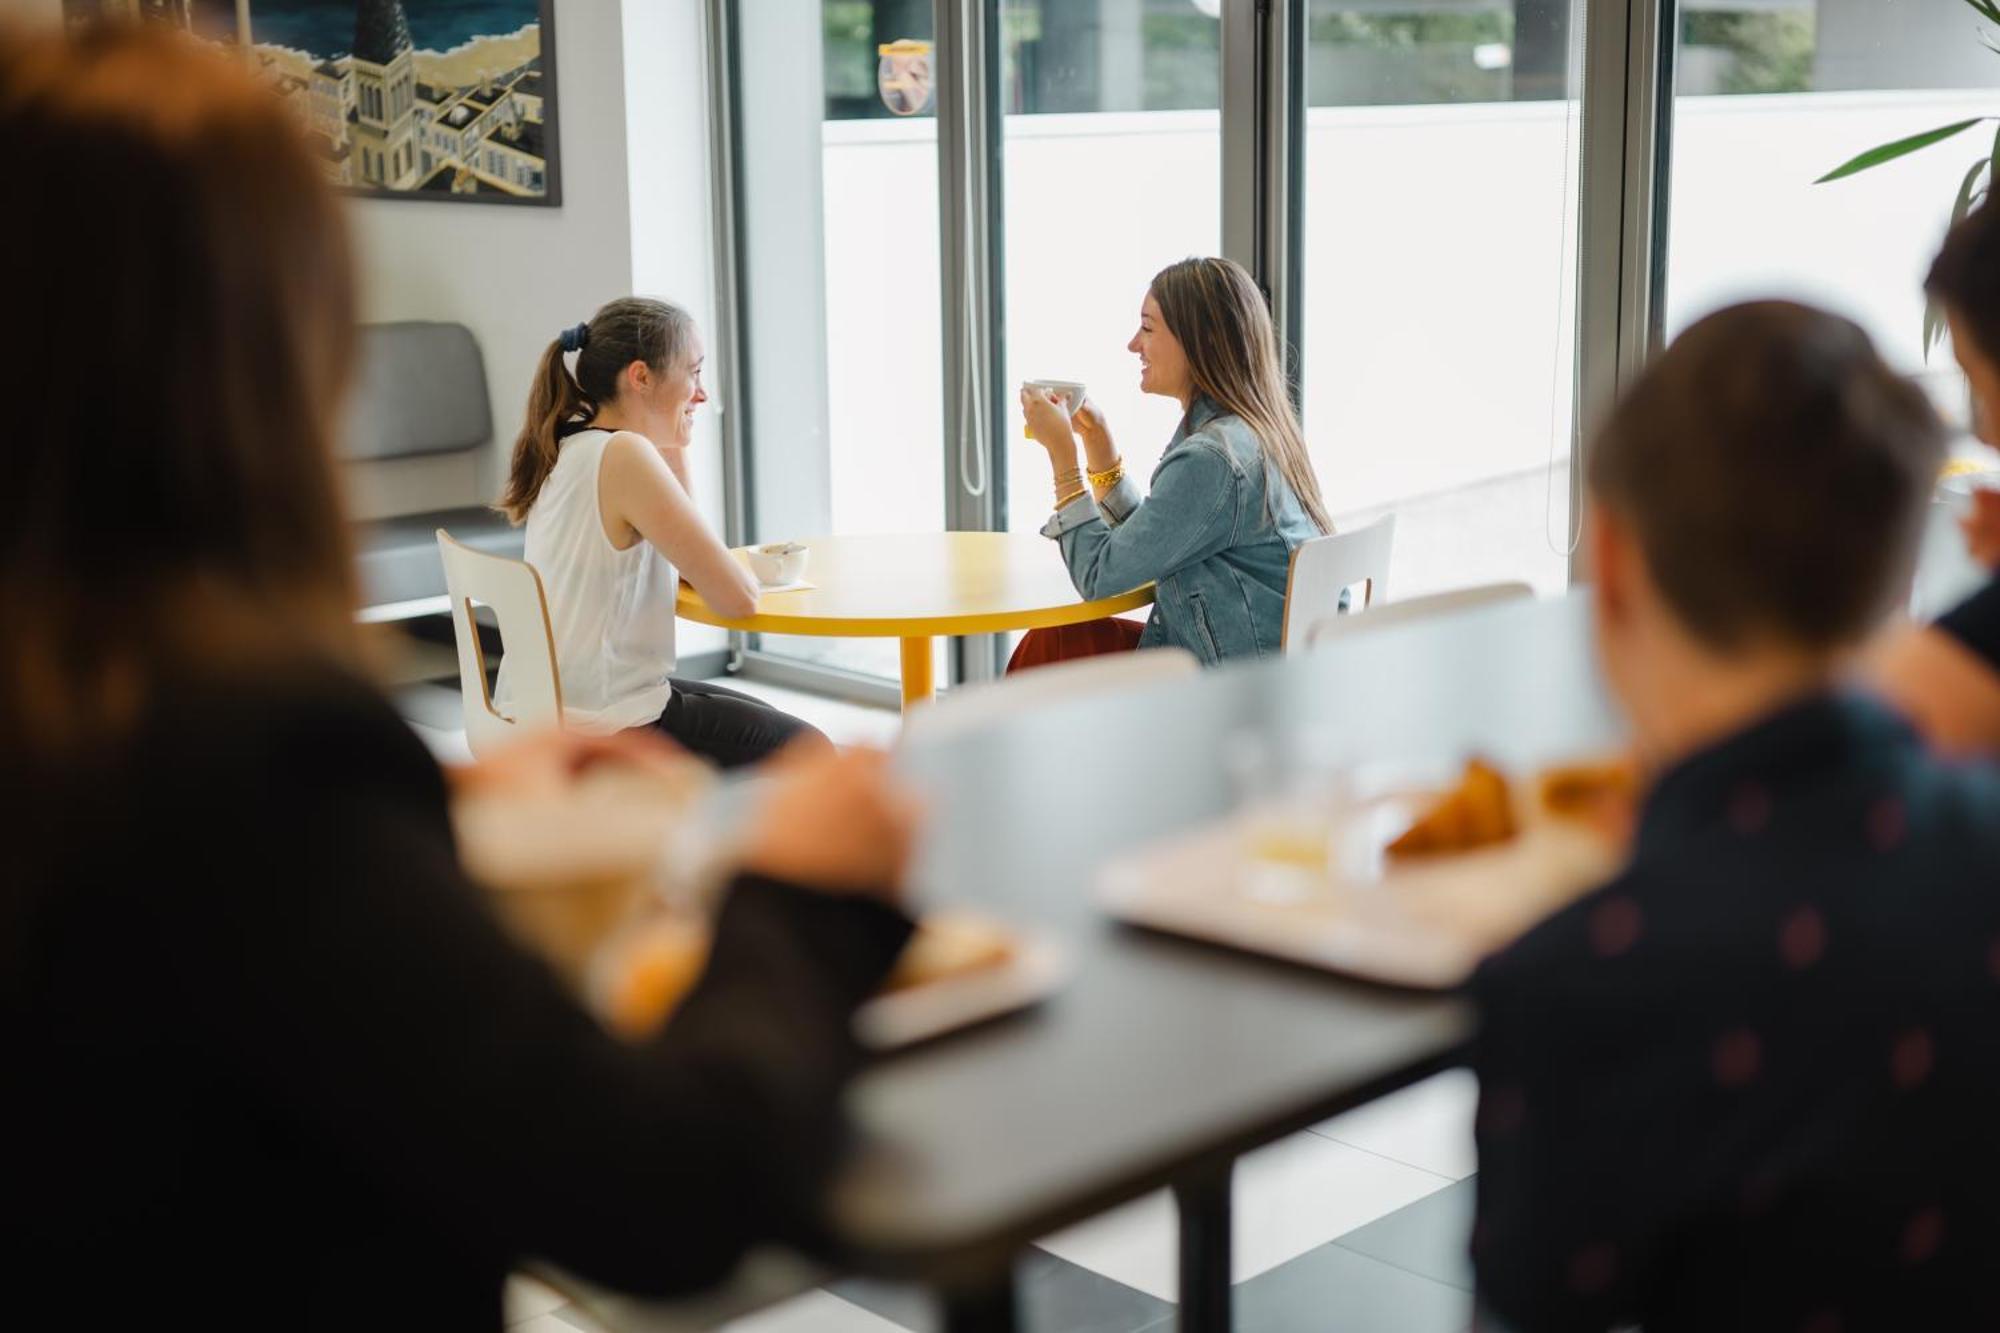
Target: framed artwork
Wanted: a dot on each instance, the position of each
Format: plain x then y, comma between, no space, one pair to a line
444,100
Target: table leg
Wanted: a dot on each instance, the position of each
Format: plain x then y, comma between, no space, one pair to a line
918,671
1205,1252
982,1308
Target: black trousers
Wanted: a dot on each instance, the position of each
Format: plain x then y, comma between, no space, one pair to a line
730,728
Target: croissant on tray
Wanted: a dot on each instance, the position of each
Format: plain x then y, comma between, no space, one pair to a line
1478,812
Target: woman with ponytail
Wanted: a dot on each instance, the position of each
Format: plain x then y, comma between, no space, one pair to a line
1233,495
600,478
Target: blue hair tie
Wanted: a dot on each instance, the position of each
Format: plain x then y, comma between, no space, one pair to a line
572,340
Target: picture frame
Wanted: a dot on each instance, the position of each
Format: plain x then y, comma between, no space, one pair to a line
403,99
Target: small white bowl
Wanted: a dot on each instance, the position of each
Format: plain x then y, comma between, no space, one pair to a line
779,563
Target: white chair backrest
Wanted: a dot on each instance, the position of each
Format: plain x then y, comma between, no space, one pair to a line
1417,608
990,703
514,590
1325,567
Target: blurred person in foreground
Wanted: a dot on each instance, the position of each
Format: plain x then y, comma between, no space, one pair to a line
263,1036
1751,1083
1946,676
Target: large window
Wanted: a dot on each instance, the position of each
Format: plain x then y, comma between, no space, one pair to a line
1771,95
1442,152
838,200
1418,192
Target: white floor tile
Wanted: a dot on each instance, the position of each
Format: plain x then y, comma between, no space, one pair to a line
1427,1125
1291,1197
814,1312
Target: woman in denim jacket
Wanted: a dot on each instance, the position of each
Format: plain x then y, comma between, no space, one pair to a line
1232,496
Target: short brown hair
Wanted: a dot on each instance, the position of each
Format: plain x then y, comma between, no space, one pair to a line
1776,474
1965,277
180,326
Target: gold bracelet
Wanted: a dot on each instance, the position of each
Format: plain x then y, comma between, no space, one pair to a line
1110,477
1065,501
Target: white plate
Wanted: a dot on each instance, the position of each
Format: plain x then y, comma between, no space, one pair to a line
1425,924
1036,971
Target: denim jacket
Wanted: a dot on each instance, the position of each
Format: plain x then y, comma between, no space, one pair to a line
1202,534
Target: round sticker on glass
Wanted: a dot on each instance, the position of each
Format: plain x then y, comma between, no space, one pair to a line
903,75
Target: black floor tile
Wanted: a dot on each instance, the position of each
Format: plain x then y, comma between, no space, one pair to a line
1427,1237
1056,1296
1337,1290
905,1306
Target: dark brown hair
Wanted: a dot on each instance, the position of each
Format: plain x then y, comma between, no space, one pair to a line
633,328
1965,277
1214,308
180,328
1776,474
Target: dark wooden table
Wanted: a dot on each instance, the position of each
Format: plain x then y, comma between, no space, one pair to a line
1162,1061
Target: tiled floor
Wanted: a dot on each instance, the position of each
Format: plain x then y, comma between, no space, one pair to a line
1331,1238
1357,1226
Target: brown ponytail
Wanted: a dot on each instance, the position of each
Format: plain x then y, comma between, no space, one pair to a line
632,328
1214,308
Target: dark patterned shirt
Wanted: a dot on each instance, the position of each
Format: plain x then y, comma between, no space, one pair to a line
1754,1083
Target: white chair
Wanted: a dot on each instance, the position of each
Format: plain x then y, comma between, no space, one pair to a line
513,589
1326,567
990,703
1416,608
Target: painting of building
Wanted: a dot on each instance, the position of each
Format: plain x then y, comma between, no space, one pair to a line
417,99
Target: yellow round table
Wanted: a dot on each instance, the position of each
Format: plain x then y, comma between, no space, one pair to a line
916,586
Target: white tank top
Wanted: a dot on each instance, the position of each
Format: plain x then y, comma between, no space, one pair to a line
612,610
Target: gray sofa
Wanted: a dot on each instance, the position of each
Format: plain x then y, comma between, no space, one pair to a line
420,389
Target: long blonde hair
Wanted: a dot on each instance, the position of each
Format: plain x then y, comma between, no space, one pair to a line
1214,308
632,328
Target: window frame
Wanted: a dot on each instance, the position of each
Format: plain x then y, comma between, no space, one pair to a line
1626,92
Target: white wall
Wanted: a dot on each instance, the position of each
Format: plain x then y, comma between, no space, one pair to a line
515,276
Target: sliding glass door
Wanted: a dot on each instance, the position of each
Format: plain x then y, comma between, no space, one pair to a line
933,200
836,206
1442,169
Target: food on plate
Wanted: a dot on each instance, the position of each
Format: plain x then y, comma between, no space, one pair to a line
1601,794
649,975
653,973
1478,812
950,944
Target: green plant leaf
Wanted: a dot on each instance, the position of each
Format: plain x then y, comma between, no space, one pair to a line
1934,326
1986,10
1889,152
1963,203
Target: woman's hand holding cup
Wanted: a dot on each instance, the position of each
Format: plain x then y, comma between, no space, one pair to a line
1048,423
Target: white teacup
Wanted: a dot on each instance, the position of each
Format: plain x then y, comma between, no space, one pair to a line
1067,392
779,563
